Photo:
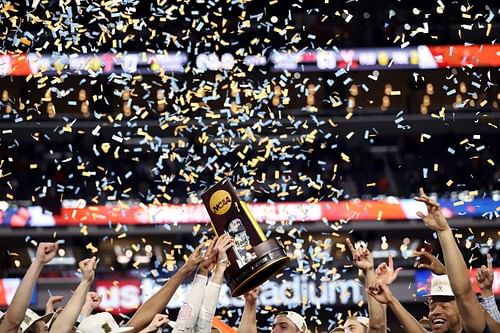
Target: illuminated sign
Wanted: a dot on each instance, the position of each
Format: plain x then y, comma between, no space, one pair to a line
413,57
122,296
8,288
298,290
356,210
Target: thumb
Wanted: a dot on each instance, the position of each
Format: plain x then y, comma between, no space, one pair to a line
420,214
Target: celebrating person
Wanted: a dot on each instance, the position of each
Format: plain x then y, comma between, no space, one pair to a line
15,314
377,322
66,320
484,278
158,301
474,318
284,322
197,313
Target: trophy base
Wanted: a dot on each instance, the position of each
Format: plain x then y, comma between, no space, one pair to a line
271,259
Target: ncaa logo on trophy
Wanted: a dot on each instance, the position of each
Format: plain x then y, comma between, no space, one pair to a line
254,258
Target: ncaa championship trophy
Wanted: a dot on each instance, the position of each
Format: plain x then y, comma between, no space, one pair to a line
253,258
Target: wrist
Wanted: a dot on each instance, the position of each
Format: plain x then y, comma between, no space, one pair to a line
185,269
444,231
87,279
220,269
251,304
37,263
487,293
391,301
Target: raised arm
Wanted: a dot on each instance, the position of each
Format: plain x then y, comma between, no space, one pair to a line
15,313
212,291
473,316
189,312
428,261
92,301
363,260
157,303
67,318
382,293
484,278
248,323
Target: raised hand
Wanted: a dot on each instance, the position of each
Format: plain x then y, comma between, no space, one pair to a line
361,257
194,259
49,306
210,258
222,245
381,292
484,277
251,295
428,261
386,273
435,219
45,252
87,267
159,320
93,300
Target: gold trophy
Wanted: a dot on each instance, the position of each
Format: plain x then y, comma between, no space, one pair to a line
253,258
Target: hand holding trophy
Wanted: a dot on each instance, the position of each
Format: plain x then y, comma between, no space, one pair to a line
253,258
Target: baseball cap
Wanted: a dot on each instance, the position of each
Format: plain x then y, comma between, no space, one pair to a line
31,317
440,286
102,322
295,318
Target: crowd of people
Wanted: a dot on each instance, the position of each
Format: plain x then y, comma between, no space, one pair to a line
453,305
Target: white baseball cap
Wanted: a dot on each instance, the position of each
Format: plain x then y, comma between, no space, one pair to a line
295,318
102,322
31,317
365,321
440,286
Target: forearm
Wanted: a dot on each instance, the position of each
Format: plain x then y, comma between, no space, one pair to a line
86,311
490,305
66,320
455,264
15,313
207,311
248,322
409,323
157,303
376,310
195,297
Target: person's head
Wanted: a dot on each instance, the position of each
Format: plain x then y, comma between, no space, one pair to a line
33,323
444,315
356,325
289,322
443,309
38,327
